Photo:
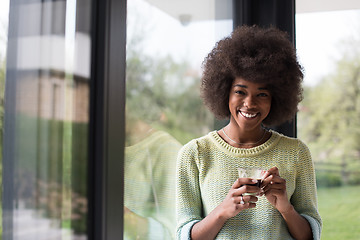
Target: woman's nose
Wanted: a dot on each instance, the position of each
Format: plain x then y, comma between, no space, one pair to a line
249,102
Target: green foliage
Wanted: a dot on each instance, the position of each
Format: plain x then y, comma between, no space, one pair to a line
328,179
160,91
165,94
43,180
354,179
329,116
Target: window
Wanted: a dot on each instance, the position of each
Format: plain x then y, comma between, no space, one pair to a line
166,46
4,14
328,121
46,120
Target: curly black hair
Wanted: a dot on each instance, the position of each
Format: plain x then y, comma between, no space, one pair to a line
259,55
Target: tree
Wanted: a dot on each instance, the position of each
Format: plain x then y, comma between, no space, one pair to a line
330,116
161,91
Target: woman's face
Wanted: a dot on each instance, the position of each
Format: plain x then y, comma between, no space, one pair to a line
249,103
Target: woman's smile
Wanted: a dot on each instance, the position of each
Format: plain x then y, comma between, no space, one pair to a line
248,115
249,104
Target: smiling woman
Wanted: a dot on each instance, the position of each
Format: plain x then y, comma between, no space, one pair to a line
249,81
249,105
275,66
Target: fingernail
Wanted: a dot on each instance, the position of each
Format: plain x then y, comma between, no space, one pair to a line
254,180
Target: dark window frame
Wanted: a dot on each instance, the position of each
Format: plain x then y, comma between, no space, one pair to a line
107,120
277,13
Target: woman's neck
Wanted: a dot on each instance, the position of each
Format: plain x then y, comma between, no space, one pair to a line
243,138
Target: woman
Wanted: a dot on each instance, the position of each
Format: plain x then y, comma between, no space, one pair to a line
253,78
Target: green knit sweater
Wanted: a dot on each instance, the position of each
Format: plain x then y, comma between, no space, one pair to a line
149,184
207,168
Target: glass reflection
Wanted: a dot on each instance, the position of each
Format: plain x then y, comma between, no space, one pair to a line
4,19
165,49
46,120
328,119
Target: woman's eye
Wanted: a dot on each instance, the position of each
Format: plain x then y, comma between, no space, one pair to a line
263,95
240,92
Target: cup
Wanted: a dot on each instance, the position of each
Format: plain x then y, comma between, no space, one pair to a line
254,173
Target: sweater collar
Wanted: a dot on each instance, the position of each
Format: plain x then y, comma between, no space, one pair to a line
272,141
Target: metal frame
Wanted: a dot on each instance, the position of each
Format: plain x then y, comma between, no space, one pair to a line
9,163
107,120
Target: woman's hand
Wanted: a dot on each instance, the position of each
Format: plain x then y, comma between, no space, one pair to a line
274,188
235,201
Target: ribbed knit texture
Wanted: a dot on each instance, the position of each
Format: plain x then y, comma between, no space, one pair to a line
150,183
207,168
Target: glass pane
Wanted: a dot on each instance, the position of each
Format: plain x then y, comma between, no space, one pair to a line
4,20
46,120
166,44
329,118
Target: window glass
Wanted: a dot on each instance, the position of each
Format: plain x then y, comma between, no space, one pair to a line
329,118
166,45
4,20
46,120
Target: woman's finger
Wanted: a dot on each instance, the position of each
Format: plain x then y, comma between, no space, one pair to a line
267,181
238,199
274,171
275,183
245,205
250,198
272,178
275,192
278,180
245,189
244,181
248,205
274,186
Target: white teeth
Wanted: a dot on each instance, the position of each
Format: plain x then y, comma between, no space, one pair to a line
248,115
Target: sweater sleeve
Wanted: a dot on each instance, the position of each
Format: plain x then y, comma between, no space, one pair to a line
304,198
188,195
162,183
